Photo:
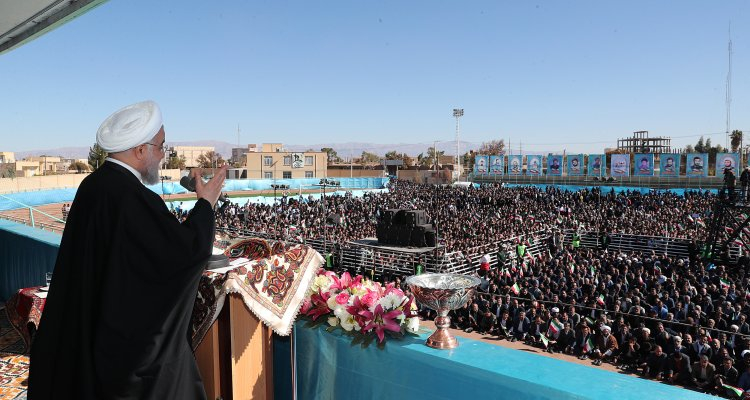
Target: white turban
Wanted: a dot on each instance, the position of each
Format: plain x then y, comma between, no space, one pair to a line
130,126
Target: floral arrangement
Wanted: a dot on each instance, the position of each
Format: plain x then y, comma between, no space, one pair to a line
361,308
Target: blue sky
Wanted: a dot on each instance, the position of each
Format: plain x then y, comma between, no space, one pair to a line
554,75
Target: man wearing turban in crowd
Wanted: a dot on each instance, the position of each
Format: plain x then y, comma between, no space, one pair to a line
116,321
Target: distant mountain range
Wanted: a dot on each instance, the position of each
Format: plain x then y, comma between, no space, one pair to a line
344,150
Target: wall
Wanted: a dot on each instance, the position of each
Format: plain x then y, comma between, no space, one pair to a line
25,184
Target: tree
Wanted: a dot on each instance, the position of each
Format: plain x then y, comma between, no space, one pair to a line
210,159
174,162
393,155
700,147
368,158
332,156
79,167
96,156
8,170
493,147
735,140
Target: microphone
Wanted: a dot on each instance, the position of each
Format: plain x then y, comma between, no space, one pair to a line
189,183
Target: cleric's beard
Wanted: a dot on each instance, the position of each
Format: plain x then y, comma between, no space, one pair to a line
151,175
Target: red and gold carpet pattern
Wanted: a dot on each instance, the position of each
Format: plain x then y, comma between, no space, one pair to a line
14,365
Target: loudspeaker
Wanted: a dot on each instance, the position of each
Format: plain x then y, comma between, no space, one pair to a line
399,218
416,217
417,236
333,219
430,238
404,235
389,215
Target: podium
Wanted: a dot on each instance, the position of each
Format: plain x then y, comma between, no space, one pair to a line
235,358
233,345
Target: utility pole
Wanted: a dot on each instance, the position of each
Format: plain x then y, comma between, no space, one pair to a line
458,113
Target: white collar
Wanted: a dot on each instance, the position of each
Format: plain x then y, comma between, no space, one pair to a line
126,166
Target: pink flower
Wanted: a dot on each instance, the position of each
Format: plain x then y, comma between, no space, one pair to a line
306,305
343,283
391,288
319,305
342,298
356,310
408,312
371,298
381,322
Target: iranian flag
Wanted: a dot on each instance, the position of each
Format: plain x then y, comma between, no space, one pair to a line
588,346
701,223
724,282
555,327
735,390
589,321
690,218
515,289
572,268
600,299
657,270
593,270
728,230
545,341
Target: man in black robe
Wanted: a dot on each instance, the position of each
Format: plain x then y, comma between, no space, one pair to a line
116,320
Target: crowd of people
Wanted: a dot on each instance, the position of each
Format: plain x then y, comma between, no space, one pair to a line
470,219
681,320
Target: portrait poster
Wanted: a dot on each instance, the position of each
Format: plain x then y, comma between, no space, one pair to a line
597,164
534,165
515,165
696,165
620,164
575,165
496,165
480,165
669,164
726,160
644,165
554,165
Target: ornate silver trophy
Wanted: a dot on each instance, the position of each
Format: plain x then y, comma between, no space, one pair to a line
442,293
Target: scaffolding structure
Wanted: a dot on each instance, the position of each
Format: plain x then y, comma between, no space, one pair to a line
640,142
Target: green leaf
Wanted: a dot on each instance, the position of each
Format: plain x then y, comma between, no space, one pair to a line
357,340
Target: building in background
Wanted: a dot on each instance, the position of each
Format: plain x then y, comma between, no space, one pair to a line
640,142
191,153
275,162
239,154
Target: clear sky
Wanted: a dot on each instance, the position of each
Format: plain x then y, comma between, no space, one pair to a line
573,75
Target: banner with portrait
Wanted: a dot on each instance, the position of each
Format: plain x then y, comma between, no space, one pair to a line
696,165
726,160
669,164
597,164
534,165
575,165
619,164
480,165
515,165
496,165
644,165
554,165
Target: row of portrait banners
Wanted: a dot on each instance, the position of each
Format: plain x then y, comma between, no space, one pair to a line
596,164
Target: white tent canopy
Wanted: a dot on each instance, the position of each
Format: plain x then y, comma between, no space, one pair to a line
24,20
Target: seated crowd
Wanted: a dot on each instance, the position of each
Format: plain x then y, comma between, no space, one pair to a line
681,321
